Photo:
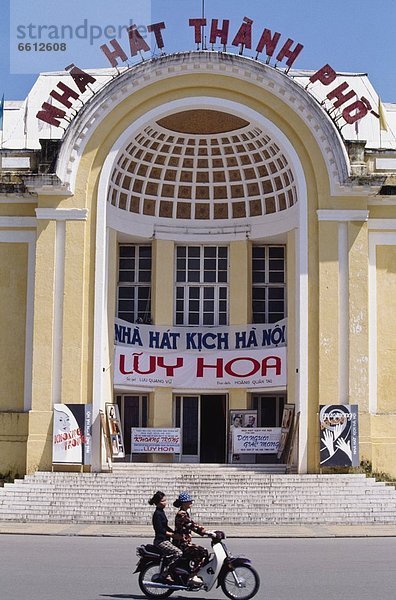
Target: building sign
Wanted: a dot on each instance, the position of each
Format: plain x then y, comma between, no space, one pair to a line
260,440
269,44
339,438
72,442
252,356
163,441
199,339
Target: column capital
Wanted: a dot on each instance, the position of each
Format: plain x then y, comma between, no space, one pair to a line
62,214
342,215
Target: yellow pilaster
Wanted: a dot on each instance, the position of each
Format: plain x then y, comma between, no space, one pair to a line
13,283
73,314
39,448
358,315
328,313
238,399
163,281
240,304
386,329
160,415
291,316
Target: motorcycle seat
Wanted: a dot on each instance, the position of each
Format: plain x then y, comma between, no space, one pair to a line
151,549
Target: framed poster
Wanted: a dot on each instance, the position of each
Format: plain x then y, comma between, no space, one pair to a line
260,440
240,418
339,436
115,431
72,439
103,426
286,426
150,439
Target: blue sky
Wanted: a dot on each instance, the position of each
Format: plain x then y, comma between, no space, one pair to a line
350,35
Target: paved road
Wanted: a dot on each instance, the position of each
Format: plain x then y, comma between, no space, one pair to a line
97,568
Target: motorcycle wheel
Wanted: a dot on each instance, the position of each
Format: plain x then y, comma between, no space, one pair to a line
145,577
241,583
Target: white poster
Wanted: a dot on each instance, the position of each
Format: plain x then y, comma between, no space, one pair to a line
115,431
71,443
256,441
263,368
163,441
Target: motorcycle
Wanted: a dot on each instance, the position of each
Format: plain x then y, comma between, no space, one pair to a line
235,575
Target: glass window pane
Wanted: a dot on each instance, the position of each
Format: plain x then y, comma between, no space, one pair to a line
194,292
127,251
193,276
145,251
126,292
276,252
210,277
208,319
276,277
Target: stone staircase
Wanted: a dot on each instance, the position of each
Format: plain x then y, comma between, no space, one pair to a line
224,495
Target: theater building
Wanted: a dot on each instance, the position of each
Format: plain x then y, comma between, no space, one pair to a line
210,192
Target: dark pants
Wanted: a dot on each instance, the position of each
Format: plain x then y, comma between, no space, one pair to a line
172,553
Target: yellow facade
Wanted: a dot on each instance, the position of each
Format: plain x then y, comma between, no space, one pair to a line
329,276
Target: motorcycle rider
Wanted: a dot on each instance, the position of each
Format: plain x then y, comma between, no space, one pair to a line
163,534
184,526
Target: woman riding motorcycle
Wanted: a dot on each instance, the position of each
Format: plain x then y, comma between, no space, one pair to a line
184,526
163,534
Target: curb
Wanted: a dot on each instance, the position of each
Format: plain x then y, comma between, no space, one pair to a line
258,531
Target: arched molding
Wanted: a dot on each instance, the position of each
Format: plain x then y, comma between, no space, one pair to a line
242,68
297,223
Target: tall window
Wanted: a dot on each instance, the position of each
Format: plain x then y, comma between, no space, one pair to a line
134,283
269,283
201,285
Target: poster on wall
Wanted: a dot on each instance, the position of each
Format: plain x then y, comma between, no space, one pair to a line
339,435
150,439
115,431
240,418
249,356
72,439
261,440
286,426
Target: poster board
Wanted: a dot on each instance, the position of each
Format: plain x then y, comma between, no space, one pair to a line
286,426
339,435
156,440
103,426
72,435
240,418
292,443
258,440
116,437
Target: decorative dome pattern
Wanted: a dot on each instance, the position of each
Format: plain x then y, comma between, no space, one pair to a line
203,176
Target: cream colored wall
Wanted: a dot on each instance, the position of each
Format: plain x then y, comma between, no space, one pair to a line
13,287
85,196
39,446
239,282
328,312
163,281
386,330
73,380
358,315
13,423
292,317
